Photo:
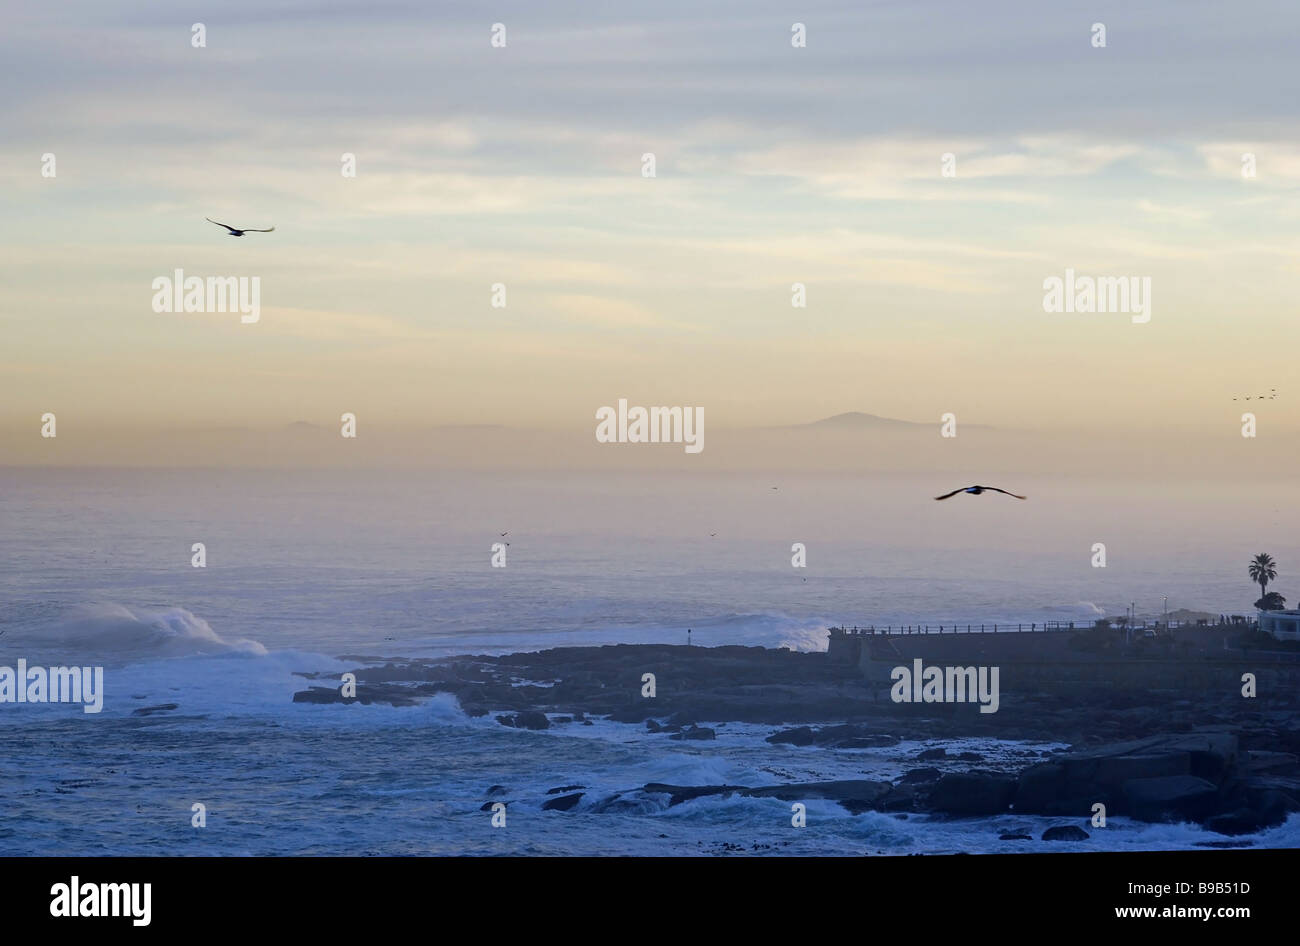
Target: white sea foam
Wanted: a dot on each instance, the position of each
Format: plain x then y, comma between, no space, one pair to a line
116,632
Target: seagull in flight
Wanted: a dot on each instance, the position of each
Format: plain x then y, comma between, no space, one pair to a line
976,490
234,232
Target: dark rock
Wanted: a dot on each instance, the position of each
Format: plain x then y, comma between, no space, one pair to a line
320,695
1266,796
532,719
856,806
1170,798
625,803
562,803
695,732
799,736
392,694
899,798
652,726
1065,832
681,793
527,719
924,774
972,794
1151,779
1243,821
1015,837
150,710
969,757
495,790
1276,763
1039,786
563,788
855,795
926,755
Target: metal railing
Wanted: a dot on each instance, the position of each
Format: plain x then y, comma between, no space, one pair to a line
1034,627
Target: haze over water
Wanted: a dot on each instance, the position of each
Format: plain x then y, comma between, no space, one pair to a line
343,561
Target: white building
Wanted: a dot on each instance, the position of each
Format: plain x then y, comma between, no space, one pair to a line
1284,625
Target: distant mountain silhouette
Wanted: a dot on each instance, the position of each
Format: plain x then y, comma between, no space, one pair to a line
856,419
859,420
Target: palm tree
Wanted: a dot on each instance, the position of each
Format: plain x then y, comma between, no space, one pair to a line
1261,571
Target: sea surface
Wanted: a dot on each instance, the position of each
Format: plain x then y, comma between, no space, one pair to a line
306,570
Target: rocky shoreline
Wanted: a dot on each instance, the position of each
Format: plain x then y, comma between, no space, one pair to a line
1225,762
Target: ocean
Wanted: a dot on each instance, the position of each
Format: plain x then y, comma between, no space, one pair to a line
306,570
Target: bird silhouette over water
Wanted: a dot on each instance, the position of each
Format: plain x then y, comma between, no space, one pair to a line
976,490
234,232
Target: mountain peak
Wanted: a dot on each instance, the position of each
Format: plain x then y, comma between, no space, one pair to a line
856,419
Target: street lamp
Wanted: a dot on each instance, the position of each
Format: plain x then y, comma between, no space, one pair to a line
1166,610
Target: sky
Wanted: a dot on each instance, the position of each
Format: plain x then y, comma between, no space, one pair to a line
522,165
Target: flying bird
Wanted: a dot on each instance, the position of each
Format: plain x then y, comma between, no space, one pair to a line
976,490
234,232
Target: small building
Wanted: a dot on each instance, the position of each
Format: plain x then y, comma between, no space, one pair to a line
1284,625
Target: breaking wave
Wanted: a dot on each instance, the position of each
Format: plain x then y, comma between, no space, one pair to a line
114,631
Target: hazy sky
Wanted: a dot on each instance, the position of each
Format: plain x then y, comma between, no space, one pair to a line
775,165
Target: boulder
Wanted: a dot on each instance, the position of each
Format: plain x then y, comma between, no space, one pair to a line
799,736
923,774
1276,763
899,798
1180,777
972,794
1170,798
926,755
695,732
562,803
1039,786
531,719
1243,821
1065,832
